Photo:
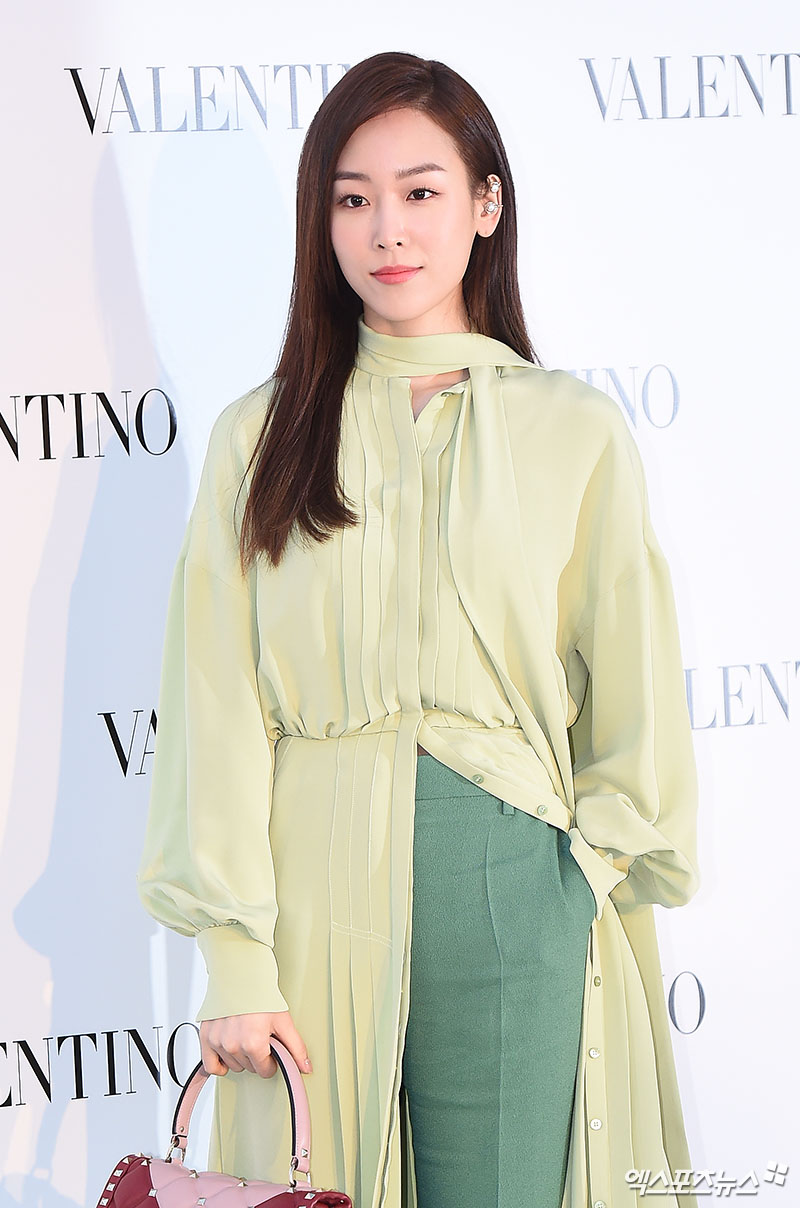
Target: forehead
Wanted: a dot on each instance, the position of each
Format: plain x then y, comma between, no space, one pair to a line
398,140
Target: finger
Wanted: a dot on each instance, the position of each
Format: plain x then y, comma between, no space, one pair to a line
258,1057
211,1060
296,1046
225,1039
231,1060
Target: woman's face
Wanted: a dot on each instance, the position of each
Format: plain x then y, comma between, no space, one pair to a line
401,197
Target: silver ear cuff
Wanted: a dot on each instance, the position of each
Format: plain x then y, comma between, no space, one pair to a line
492,207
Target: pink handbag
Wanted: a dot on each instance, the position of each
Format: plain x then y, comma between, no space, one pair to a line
141,1182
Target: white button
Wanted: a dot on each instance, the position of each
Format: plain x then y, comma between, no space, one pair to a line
541,809
599,1204
594,1052
478,779
595,1123
597,981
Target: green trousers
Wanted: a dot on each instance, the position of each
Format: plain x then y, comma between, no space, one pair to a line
500,929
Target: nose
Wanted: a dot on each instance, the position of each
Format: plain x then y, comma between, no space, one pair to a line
389,230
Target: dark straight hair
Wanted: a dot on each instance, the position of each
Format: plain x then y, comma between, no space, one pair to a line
295,477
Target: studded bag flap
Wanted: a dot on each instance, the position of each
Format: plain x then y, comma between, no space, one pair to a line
138,1181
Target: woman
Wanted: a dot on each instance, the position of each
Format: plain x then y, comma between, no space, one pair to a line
440,597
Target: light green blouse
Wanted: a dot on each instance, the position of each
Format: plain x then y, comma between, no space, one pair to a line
504,602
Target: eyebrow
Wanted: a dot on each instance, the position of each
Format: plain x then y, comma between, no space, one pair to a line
400,174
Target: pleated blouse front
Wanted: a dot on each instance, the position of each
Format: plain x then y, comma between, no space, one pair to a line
468,722
458,685
462,696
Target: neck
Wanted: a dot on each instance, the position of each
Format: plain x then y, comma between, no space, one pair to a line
444,320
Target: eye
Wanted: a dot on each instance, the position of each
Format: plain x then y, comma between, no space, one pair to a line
342,201
432,192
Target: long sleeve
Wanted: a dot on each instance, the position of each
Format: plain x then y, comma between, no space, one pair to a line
634,767
206,869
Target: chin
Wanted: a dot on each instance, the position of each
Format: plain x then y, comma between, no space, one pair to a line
403,310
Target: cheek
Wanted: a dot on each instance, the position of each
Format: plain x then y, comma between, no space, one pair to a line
345,242
455,242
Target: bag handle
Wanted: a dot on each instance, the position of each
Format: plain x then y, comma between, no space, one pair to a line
298,1102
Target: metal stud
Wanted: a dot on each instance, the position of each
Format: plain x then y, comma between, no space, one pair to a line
193,1174
104,1201
118,1173
202,1200
304,1152
152,1192
242,1183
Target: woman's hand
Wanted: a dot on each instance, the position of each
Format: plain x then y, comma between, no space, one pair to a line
241,1042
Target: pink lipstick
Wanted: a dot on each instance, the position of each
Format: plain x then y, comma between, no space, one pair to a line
395,273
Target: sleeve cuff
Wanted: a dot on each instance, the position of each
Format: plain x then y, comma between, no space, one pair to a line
649,884
242,973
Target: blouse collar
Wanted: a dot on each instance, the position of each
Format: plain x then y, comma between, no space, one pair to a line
418,356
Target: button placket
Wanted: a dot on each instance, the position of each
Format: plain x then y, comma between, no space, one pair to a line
595,1085
425,422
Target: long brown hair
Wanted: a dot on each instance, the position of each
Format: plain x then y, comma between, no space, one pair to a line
295,479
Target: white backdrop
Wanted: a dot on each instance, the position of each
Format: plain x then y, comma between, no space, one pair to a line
149,164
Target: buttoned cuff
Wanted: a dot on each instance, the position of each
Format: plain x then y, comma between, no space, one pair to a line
242,973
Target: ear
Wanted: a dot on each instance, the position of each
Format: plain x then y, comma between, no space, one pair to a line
485,224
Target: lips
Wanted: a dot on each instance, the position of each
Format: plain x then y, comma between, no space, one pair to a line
395,273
